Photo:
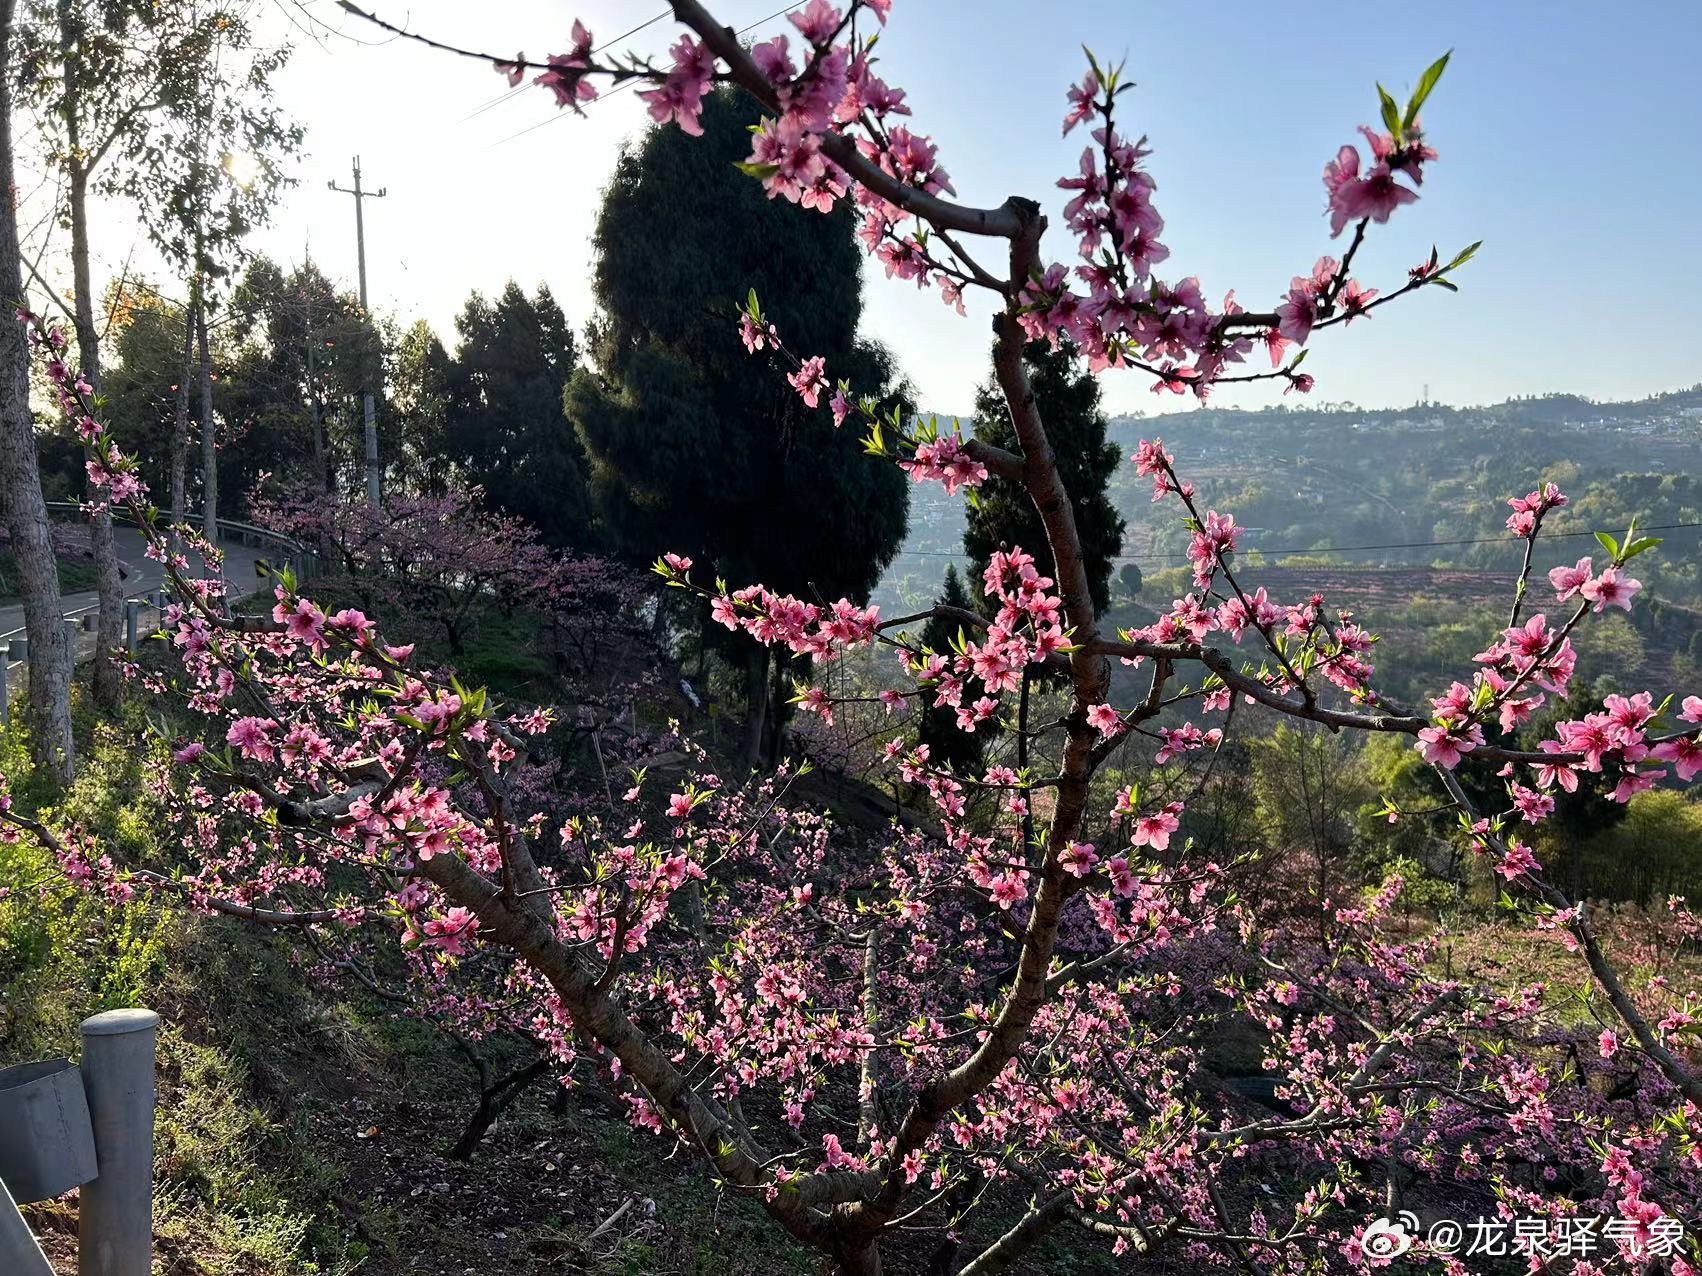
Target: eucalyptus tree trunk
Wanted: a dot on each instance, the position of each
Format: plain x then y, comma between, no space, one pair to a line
180,419
20,478
209,435
756,703
109,628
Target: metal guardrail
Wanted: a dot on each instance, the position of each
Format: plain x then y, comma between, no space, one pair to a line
89,1123
229,528
14,644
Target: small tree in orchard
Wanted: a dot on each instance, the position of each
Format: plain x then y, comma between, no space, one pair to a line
1129,577
436,565
990,1039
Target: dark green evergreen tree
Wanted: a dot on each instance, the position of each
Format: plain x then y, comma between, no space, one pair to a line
504,421
695,445
1004,517
419,374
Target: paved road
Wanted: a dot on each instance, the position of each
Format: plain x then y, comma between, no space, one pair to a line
141,575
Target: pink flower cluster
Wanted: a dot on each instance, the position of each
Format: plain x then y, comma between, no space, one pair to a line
109,471
1311,298
1126,312
1529,510
1374,194
1213,542
680,97
803,628
1618,736
1611,588
946,460
567,75
1335,649
810,380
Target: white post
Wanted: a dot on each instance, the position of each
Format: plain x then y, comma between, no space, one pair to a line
115,1231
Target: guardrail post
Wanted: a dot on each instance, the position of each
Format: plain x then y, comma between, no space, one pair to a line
132,621
115,1230
71,629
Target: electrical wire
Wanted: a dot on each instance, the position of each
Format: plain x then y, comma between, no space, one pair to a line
520,88
560,115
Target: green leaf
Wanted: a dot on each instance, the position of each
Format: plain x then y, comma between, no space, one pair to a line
1640,545
1391,114
1463,256
761,171
1426,83
1608,543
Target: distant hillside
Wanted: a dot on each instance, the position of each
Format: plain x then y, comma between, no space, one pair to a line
1569,410
1322,485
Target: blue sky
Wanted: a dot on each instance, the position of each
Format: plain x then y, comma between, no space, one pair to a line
1564,129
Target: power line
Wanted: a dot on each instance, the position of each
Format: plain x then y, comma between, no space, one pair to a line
520,88
1332,549
532,128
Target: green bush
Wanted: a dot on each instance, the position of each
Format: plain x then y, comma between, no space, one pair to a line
233,1193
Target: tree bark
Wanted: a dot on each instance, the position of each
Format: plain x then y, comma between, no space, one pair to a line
776,710
109,627
756,703
495,1098
319,474
209,434
180,421
20,478
865,1261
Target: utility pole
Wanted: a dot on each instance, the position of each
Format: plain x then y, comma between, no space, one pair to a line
319,478
361,196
